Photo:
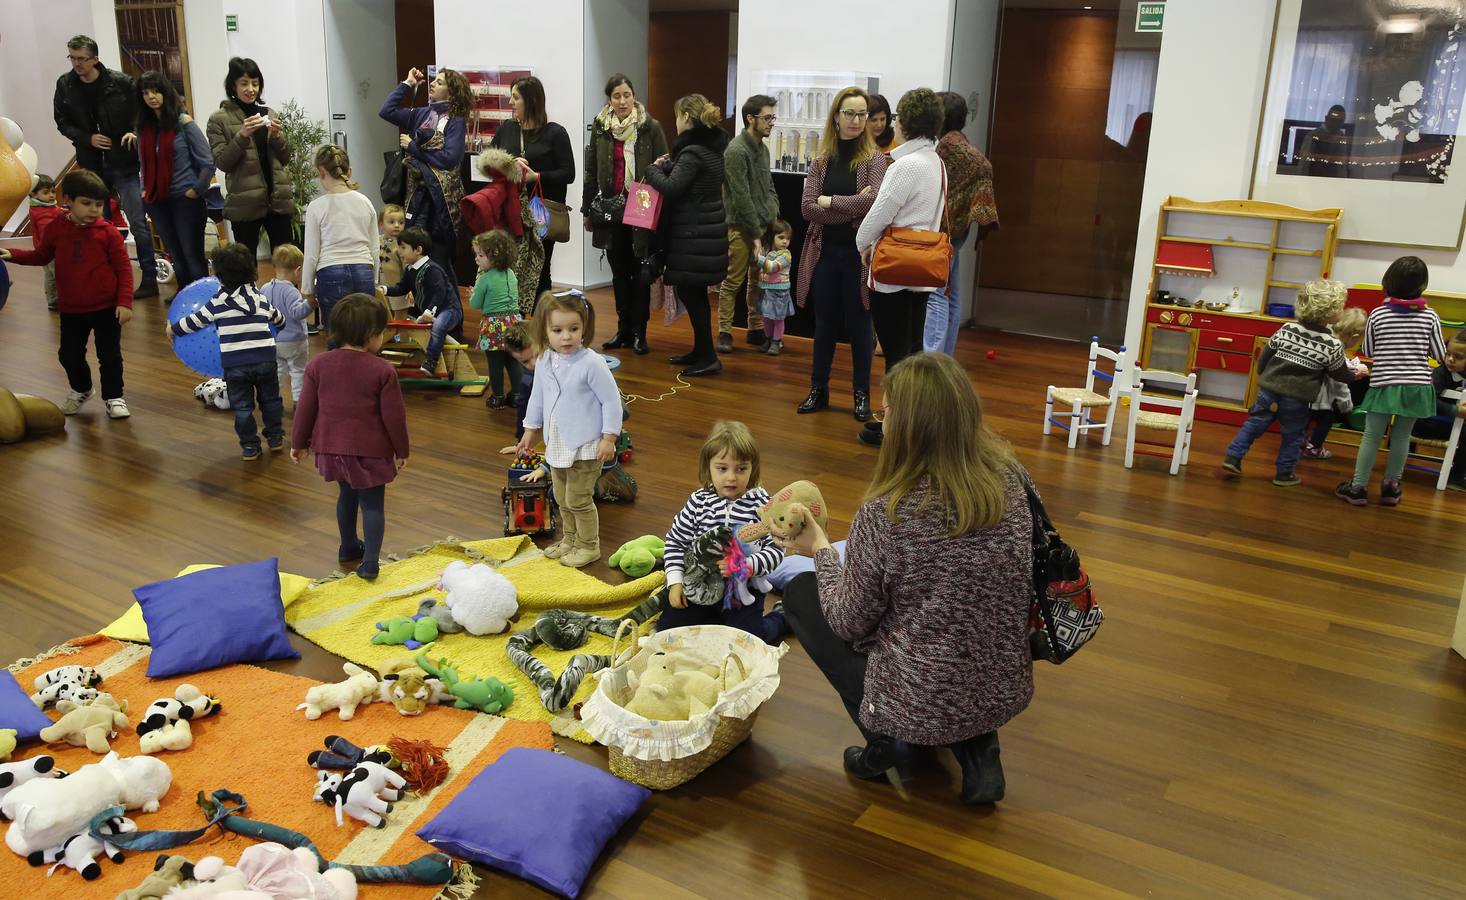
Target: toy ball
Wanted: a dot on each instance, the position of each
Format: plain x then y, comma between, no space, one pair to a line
992,354
200,350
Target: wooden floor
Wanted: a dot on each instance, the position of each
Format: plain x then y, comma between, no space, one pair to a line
1270,710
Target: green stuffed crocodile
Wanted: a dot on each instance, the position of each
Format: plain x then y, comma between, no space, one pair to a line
488,695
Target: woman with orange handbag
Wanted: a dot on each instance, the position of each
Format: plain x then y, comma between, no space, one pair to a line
901,238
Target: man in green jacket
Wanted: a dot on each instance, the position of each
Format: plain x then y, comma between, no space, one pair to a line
751,207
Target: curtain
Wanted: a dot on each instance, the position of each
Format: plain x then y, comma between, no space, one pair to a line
1325,73
1446,86
1132,91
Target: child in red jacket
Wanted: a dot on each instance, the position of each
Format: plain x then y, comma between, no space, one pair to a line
43,211
93,289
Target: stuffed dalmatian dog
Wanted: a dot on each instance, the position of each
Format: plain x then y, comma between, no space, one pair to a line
187,703
13,775
365,793
66,682
80,851
213,392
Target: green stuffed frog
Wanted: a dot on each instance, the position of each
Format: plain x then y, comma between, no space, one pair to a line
640,556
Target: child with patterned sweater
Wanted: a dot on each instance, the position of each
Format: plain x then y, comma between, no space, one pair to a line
1292,368
773,282
730,497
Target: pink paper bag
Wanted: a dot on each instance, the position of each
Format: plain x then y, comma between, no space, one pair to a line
643,206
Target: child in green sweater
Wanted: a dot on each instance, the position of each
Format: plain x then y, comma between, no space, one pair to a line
496,297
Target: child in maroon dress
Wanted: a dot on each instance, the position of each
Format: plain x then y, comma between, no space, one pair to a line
351,414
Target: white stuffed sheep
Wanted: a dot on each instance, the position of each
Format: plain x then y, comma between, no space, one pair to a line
479,599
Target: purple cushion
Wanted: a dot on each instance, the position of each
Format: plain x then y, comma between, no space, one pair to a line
18,711
215,617
538,815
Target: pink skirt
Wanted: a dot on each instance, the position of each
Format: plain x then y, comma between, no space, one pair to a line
360,472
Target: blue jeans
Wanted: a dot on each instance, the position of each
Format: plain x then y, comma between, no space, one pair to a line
245,383
129,189
446,321
943,315
1292,417
335,282
180,222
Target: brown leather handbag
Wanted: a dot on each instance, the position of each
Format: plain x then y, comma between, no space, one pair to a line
913,257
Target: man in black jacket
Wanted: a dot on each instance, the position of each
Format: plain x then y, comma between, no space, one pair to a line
95,109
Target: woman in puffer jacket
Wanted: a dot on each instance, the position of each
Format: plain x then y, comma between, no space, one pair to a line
693,231
249,148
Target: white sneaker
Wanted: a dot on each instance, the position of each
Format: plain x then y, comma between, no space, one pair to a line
117,409
73,403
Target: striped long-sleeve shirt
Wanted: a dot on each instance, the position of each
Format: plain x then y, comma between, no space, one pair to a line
706,510
243,319
1401,338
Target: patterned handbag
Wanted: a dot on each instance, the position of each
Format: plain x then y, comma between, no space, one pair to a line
1063,615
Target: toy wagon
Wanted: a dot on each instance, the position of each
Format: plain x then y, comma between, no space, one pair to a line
529,507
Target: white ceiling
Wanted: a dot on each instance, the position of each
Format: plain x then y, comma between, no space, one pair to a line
660,6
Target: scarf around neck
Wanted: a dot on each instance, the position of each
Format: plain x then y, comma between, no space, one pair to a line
1417,303
625,132
157,156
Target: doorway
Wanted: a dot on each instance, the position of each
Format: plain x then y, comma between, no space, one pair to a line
361,60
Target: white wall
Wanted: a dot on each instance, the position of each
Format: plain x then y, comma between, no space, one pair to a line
203,25
908,43
32,56
551,40
358,82
1212,158
285,37
616,41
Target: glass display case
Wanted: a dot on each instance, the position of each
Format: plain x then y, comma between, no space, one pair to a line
802,103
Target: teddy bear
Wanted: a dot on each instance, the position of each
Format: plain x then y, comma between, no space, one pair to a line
44,812
663,694
173,736
168,872
639,556
91,725
777,513
357,690
187,702
478,598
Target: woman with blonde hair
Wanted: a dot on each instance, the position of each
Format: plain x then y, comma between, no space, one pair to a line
433,140
839,188
693,227
923,629
340,237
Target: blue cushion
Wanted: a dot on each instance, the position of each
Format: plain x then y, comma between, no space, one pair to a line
18,711
538,815
215,617
797,565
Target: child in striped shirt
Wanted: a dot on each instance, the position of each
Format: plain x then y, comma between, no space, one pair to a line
1401,337
243,317
730,496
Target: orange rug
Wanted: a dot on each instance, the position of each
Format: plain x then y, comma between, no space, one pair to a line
256,745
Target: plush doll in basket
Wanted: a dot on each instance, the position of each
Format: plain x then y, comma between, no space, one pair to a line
712,576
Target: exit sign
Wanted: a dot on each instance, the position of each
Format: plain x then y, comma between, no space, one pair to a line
231,23
1150,16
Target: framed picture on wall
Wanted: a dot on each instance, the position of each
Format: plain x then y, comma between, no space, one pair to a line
1363,110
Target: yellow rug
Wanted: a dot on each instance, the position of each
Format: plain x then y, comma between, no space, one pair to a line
341,615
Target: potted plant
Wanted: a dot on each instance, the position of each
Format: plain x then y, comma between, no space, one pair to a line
302,135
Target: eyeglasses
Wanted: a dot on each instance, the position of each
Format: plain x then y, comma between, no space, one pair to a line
78,59
768,119
854,115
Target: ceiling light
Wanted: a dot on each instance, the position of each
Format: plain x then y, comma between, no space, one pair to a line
1402,25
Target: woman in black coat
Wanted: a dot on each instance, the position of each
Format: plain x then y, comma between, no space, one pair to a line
693,231
542,148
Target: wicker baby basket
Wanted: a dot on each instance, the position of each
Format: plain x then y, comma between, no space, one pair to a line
663,755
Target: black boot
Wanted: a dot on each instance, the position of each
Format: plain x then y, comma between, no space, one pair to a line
147,288
638,342
862,406
874,759
616,343
982,770
818,399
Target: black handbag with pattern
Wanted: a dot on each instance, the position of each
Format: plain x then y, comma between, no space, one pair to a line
1063,614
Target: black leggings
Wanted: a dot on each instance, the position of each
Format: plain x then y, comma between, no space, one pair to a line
633,298
900,318
276,226
842,665
499,360
373,519
700,315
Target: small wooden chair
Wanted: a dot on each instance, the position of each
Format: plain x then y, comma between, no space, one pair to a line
1147,416
1080,400
1443,471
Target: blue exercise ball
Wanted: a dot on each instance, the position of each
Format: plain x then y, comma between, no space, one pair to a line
199,350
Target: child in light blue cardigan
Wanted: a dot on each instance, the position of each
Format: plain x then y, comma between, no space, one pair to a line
577,406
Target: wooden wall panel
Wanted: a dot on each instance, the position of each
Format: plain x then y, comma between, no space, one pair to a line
687,53
416,44
1065,192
